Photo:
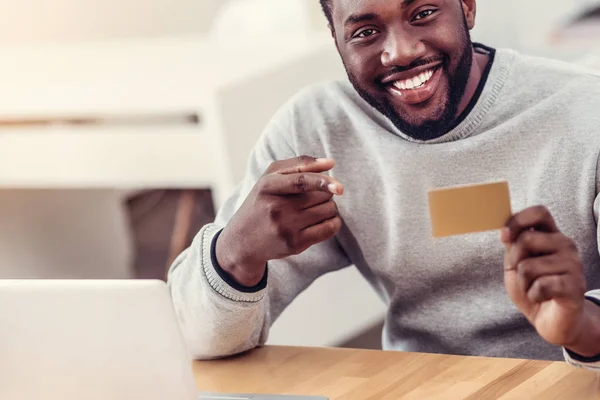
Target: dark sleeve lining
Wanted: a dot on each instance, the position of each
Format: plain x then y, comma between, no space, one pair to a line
227,278
576,356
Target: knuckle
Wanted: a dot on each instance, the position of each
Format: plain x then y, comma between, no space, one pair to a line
544,289
274,166
336,209
526,269
274,212
542,211
262,185
304,159
334,225
527,239
301,183
330,208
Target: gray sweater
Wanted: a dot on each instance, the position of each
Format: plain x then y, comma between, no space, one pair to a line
536,124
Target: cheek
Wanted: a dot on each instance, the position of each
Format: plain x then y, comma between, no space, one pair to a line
447,37
443,41
363,67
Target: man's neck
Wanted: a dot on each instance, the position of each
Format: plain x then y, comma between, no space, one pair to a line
480,61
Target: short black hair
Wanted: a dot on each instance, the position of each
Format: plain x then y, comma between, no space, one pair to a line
326,6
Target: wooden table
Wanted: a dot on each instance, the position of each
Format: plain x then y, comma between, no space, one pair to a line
364,375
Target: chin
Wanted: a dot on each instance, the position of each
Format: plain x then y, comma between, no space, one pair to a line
422,118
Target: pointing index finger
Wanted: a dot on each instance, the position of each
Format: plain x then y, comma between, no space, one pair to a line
285,184
306,164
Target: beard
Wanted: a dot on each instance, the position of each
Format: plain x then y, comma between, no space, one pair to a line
457,84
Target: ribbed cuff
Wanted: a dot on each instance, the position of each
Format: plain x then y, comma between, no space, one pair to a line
581,361
219,280
228,278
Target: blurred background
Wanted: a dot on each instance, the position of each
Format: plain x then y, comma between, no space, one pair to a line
124,124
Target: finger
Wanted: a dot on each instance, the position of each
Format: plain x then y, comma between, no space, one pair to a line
550,287
277,184
537,218
531,269
301,164
319,233
310,199
317,214
534,243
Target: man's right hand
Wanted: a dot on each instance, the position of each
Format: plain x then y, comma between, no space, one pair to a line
289,210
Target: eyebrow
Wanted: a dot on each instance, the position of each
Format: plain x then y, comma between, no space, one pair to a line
356,18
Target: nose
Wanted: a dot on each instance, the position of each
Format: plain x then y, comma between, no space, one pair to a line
401,50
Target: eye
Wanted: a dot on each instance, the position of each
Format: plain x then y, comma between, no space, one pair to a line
423,14
366,33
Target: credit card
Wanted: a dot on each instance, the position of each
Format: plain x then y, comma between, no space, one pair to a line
469,208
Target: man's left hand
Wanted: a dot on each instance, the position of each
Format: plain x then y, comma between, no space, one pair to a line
544,277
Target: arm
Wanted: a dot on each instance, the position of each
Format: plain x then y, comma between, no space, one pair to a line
586,354
218,313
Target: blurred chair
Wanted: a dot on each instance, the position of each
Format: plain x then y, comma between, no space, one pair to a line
580,35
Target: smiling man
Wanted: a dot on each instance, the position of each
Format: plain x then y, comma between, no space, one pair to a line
423,107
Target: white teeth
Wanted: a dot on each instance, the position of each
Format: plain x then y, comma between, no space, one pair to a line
415,82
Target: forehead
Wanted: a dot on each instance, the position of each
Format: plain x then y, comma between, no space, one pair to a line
344,8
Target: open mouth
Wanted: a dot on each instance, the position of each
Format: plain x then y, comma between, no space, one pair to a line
418,88
415,82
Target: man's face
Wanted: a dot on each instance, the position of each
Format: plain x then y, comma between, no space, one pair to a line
409,59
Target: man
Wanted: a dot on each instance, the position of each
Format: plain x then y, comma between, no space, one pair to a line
424,108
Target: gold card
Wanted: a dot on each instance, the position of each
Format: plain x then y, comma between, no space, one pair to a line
469,208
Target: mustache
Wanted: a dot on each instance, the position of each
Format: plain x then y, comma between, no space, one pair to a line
413,65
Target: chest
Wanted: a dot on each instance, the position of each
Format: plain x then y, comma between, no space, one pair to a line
385,206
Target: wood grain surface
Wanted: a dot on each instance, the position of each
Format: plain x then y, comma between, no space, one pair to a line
366,374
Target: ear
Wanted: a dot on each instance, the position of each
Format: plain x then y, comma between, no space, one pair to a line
470,10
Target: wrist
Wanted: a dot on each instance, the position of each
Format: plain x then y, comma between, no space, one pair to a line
587,341
243,269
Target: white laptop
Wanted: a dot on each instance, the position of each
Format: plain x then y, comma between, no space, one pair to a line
95,340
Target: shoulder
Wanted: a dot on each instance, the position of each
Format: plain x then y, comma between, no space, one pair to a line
552,76
323,99
565,93
322,110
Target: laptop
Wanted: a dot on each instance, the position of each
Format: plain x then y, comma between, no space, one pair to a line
95,340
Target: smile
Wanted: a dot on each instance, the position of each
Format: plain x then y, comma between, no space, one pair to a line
416,89
415,82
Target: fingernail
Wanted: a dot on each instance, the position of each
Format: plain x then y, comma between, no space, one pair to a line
333,188
323,160
505,234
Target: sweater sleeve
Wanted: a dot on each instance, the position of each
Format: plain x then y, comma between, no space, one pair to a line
594,295
217,318
575,359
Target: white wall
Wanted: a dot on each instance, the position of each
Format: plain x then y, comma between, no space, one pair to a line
522,25
60,20
503,23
